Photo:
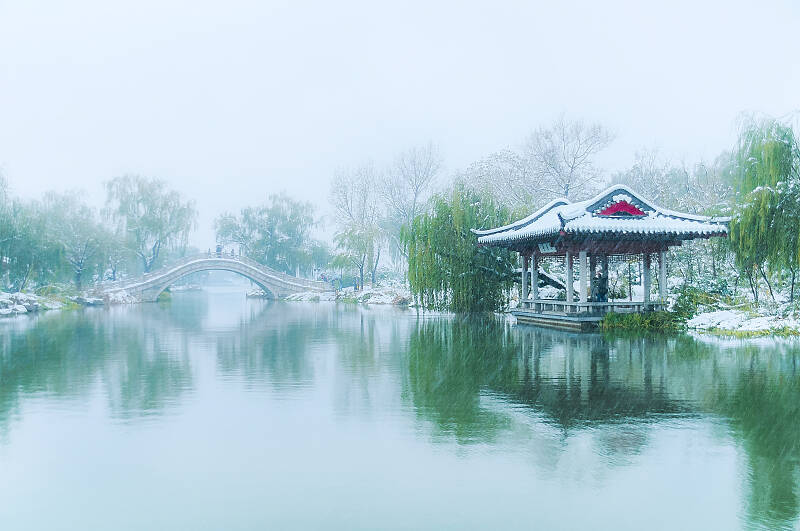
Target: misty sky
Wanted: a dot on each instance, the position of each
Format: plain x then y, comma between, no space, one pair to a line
231,101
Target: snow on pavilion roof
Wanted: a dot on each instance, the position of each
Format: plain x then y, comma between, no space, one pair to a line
616,212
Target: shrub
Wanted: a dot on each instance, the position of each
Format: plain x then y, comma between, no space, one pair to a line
690,300
656,321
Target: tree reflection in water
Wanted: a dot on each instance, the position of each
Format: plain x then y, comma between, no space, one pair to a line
579,382
465,381
141,369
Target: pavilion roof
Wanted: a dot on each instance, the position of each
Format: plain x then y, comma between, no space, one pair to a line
614,213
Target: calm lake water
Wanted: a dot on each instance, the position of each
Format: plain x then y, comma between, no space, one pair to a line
217,412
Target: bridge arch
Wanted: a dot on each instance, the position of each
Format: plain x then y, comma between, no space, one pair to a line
276,284
263,287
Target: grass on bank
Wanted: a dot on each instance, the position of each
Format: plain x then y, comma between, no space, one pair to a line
650,321
784,331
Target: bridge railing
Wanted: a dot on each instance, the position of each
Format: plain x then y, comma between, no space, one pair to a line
166,269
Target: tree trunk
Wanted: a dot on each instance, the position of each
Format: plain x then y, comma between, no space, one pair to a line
791,291
753,285
375,268
769,286
24,280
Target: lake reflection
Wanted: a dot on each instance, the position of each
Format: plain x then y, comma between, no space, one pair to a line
217,412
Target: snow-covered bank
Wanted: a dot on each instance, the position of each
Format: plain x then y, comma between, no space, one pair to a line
119,297
736,321
395,294
23,303
20,303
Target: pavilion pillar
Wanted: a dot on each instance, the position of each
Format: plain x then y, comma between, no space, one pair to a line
646,279
662,277
535,276
604,273
568,280
524,294
582,271
592,276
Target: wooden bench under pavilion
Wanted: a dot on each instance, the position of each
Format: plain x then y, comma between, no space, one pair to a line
617,223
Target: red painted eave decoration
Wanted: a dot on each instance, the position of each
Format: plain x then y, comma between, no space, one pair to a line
621,207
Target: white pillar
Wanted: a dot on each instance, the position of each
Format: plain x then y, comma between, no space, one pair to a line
583,271
535,276
524,295
662,276
569,277
646,279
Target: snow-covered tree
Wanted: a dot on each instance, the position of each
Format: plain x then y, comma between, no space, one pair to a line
360,234
765,229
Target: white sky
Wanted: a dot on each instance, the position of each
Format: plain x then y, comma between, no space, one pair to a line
231,101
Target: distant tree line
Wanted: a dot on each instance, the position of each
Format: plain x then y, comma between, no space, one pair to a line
61,239
404,219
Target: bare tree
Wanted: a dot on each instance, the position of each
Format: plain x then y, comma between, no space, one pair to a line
406,184
406,187
556,161
355,200
563,156
687,187
649,176
508,176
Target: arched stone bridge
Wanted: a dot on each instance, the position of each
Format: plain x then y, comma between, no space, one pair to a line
148,287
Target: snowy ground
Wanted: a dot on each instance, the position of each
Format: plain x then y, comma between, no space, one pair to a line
739,321
19,303
392,293
22,303
119,297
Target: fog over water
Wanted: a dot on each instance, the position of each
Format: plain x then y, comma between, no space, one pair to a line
231,101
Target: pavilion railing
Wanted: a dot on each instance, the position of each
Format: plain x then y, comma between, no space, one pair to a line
589,308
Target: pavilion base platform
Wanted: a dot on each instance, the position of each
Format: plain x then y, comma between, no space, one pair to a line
573,323
576,316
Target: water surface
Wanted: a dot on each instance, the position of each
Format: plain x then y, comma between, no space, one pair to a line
217,412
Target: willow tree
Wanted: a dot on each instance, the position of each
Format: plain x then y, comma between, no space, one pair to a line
151,216
276,233
765,229
76,229
446,269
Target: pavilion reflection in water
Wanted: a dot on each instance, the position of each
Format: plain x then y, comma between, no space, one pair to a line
469,379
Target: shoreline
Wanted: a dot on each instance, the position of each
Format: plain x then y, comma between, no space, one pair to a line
729,323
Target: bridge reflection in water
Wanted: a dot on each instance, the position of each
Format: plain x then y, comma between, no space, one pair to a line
623,413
